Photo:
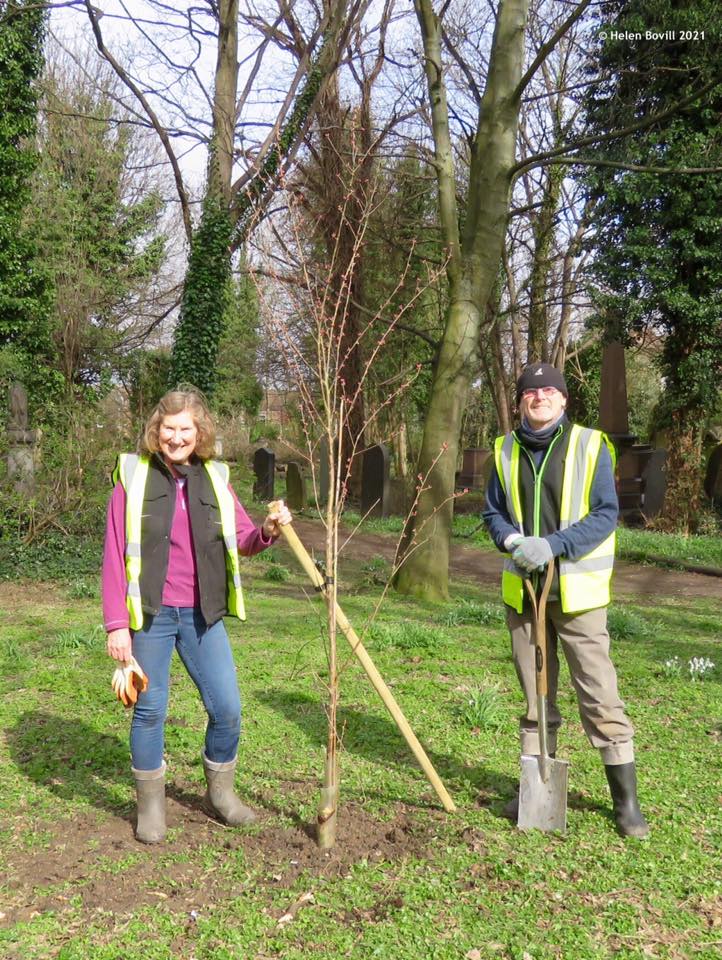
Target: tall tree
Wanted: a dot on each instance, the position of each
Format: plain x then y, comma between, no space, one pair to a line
233,198
658,260
24,340
473,256
97,216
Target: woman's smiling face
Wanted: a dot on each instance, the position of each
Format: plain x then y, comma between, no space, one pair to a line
177,437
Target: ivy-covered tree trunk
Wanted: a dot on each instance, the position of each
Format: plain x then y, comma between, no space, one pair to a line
229,208
205,298
24,335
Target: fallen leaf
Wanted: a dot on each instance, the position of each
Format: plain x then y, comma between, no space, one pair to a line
473,955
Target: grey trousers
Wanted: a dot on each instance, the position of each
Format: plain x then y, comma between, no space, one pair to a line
585,642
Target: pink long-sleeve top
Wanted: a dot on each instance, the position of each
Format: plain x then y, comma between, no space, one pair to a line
181,585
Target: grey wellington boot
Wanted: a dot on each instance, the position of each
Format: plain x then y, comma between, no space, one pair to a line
150,795
220,800
629,818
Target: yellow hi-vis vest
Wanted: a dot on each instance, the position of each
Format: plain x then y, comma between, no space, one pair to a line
584,583
132,471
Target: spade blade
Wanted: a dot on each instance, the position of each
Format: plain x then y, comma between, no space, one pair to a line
543,803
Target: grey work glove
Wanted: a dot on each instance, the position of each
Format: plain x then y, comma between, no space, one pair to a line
532,553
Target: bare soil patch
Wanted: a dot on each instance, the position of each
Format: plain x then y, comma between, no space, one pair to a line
99,860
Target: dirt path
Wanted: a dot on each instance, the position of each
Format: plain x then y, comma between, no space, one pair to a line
470,563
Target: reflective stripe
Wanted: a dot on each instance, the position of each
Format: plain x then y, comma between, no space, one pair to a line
506,455
586,565
219,475
584,583
132,471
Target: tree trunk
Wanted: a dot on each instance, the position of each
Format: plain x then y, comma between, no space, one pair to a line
472,272
220,161
538,343
425,546
684,477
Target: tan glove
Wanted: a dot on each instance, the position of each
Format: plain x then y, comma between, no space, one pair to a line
128,682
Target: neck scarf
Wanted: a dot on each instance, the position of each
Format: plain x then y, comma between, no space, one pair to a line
539,439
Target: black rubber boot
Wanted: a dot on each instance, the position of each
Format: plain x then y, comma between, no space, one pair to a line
510,810
220,800
629,818
150,797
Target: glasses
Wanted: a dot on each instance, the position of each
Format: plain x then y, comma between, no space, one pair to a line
544,391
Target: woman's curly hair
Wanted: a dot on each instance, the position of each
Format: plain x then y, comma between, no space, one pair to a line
176,401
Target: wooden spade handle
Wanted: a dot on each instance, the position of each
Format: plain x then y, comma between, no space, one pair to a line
374,676
540,628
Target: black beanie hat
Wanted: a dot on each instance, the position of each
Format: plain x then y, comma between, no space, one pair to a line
540,375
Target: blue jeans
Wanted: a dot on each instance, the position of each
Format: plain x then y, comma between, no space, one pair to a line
206,655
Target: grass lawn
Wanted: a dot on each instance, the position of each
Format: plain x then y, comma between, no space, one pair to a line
405,881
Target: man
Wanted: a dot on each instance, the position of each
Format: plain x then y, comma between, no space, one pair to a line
552,499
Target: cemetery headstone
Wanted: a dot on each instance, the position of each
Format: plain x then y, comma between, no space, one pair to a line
375,481
295,487
475,468
654,483
22,442
613,409
264,469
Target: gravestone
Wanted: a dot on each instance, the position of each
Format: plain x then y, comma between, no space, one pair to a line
295,487
713,476
475,468
375,481
21,442
654,483
641,471
613,408
264,468
399,499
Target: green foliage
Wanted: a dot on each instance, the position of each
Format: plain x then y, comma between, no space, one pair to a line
206,300
469,611
658,261
54,557
238,389
375,570
146,373
97,224
406,635
56,533
263,430
74,640
277,573
483,708
626,624
24,340
584,383
648,546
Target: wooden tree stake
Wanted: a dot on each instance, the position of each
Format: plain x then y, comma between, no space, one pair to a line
374,676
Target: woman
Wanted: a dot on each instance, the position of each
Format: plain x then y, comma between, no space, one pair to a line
170,573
